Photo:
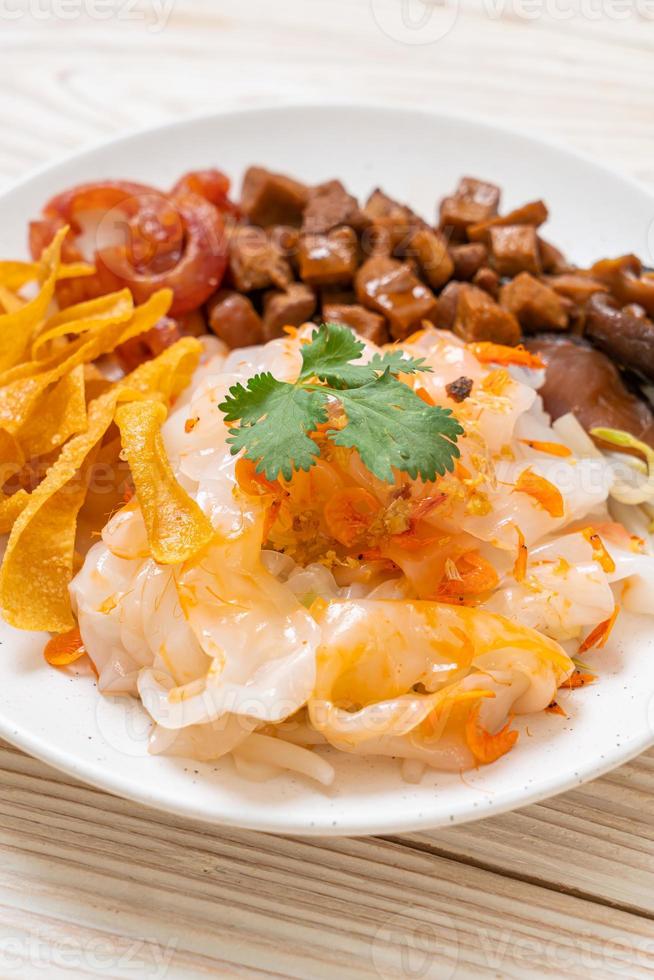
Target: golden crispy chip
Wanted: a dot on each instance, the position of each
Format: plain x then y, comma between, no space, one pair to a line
10,302
12,456
60,414
102,340
84,318
38,562
13,275
11,463
95,382
177,528
170,372
18,328
21,396
10,508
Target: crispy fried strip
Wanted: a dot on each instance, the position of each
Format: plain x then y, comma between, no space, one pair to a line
169,373
38,562
14,275
177,528
20,397
60,414
10,302
10,508
18,328
84,318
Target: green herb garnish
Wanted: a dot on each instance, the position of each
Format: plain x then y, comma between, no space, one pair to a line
387,423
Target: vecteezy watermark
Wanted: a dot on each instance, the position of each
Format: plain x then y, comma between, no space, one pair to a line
153,14
415,21
422,944
428,21
416,943
25,955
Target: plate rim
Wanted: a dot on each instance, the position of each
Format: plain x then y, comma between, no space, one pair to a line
279,823
292,105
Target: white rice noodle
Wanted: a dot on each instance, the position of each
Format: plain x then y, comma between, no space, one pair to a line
226,657
275,753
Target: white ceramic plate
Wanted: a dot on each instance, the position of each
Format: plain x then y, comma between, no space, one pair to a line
415,157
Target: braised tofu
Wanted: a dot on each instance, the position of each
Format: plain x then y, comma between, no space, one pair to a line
536,305
288,308
430,251
468,260
329,259
534,213
371,326
479,317
488,280
515,250
473,201
392,288
329,205
392,223
273,199
255,262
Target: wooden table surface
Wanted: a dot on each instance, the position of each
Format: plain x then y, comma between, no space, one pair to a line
94,886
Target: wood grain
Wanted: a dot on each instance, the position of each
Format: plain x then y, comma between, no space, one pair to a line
586,83
87,872
91,885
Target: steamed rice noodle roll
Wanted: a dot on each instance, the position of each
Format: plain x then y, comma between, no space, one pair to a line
394,676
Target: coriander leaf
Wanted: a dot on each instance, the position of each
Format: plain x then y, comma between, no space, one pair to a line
331,349
391,427
248,403
274,420
326,357
398,362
